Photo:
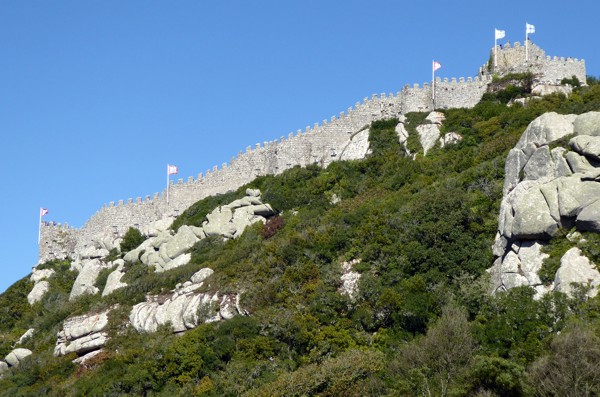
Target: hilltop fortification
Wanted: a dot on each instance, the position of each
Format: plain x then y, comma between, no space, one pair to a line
340,138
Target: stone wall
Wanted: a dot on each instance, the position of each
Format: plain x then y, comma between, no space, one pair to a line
321,144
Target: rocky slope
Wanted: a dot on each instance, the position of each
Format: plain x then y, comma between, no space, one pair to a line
548,187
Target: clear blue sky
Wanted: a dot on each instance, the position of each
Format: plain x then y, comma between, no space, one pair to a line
96,97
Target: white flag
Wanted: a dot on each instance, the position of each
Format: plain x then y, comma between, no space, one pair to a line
529,28
500,34
172,169
436,65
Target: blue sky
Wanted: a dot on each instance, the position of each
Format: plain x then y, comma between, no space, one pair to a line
98,96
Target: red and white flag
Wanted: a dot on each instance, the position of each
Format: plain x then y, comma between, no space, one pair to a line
43,211
436,65
172,169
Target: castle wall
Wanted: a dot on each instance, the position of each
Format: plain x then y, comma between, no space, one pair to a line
321,144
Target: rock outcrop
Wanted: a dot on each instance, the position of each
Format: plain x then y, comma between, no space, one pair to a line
357,148
38,291
86,280
113,282
41,284
82,334
14,358
428,132
350,279
184,308
546,189
165,251
28,334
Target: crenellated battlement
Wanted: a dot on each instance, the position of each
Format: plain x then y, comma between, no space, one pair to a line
324,142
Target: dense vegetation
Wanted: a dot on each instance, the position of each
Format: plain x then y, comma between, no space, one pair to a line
422,323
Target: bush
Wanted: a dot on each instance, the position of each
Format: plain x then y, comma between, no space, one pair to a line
272,226
131,240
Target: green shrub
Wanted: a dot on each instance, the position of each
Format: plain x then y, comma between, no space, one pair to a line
573,81
132,239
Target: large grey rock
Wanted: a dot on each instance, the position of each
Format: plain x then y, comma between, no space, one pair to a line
515,162
177,262
28,334
540,164
436,117
589,218
587,124
586,145
401,132
184,308
15,357
561,167
545,190
180,243
92,252
181,311
349,278
107,242
531,259
450,138
219,223
532,218
84,283
550,193
82,334
576,268
357,148
153,229
87,356
201,275
578,163
38,291
228,307
547,128
113,282
428,136
38,275
243,202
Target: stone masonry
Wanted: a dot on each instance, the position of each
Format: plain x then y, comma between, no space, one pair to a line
321,144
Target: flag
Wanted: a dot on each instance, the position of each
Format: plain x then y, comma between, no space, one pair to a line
43,211
529,28
436,65
172,169
500,34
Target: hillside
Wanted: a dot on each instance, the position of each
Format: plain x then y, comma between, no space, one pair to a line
414,232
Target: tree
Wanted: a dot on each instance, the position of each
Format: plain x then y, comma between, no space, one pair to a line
572,369
436,361
132,239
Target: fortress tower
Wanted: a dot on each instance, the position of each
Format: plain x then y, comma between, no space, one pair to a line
546,70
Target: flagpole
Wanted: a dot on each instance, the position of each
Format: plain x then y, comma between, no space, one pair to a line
526,43
40,228
495,51
167,185
433,83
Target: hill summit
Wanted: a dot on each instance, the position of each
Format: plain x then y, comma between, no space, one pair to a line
406,247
